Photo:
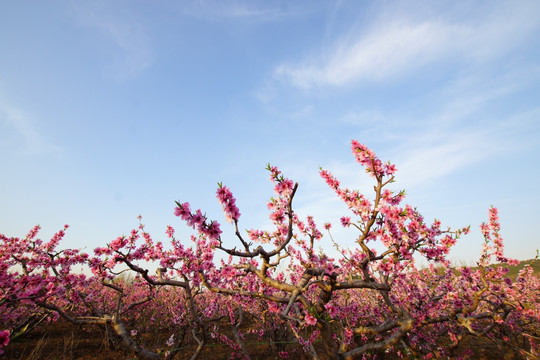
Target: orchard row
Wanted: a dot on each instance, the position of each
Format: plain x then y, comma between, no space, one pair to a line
276,287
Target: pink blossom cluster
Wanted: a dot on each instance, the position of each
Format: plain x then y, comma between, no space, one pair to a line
367,158
354,200
227,200
493,244
4,340
198,221
283,186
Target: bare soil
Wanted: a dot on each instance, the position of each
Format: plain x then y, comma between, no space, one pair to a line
64,341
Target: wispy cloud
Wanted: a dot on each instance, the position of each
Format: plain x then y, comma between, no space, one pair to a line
123,29
376,56
432,161
252,11
468,127
20,134
395,45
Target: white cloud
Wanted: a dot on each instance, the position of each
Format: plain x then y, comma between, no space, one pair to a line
397,44
376,56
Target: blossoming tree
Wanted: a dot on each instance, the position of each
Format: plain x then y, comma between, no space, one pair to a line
275,284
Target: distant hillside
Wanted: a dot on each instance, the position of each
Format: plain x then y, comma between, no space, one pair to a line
514,270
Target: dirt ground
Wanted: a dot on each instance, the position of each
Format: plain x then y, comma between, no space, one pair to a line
64,341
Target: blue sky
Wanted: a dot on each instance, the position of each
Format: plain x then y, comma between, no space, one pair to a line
111,109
